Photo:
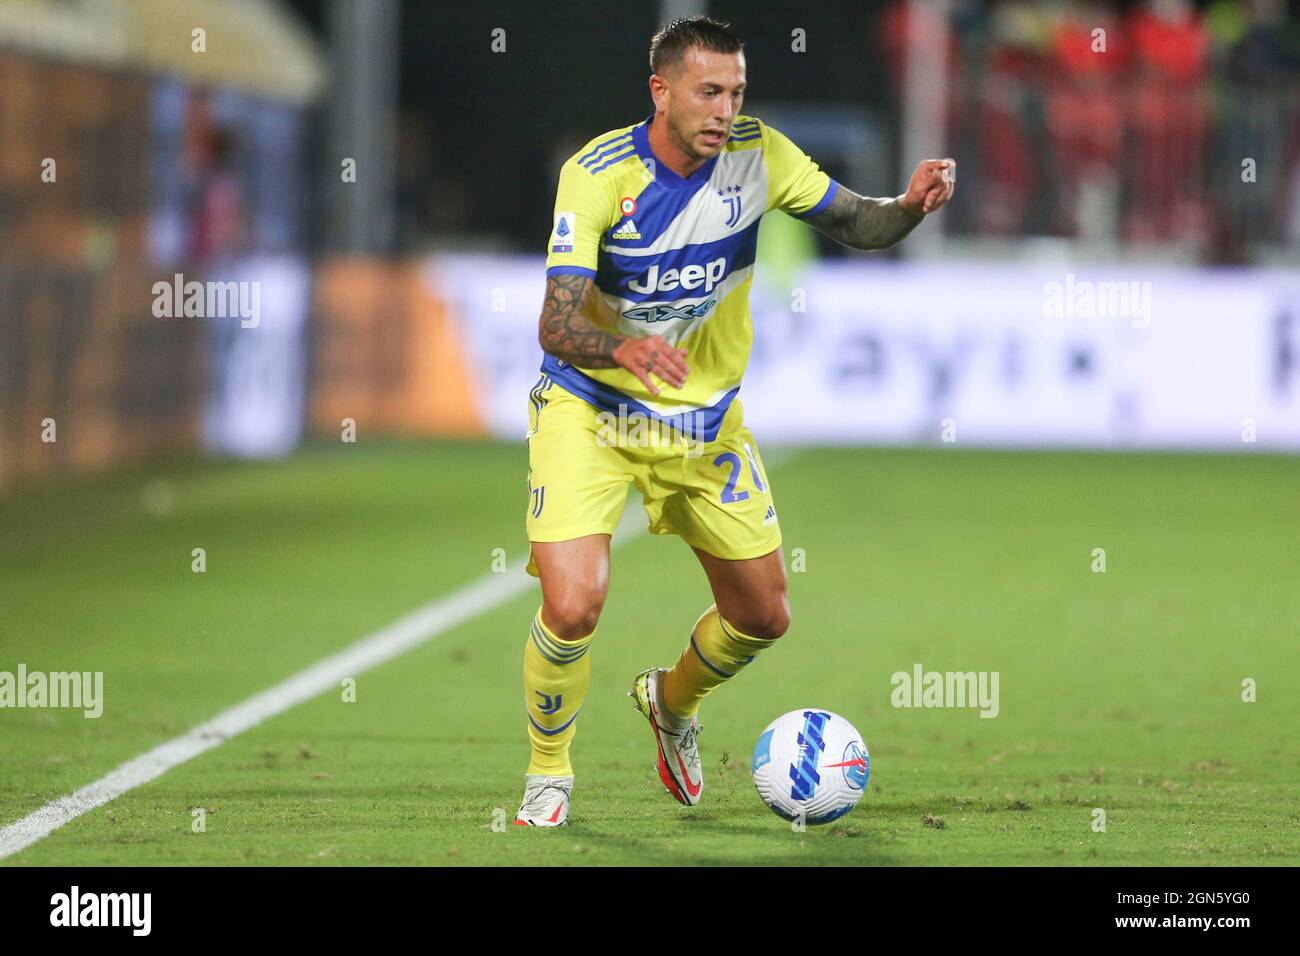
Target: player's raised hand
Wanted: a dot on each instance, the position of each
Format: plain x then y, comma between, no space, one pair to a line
931,186
653,355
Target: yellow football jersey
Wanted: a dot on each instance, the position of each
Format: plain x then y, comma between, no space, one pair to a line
674,256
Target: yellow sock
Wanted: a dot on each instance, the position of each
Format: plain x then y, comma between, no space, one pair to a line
716,653
556,674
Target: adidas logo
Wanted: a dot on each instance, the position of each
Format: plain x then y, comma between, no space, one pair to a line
627,231
770,517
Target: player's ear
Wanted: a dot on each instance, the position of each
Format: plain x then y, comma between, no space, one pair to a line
658,91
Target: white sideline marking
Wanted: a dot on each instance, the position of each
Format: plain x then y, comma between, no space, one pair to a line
404,634
396,639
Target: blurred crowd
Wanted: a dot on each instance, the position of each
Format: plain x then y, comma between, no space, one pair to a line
1149,122
1117,122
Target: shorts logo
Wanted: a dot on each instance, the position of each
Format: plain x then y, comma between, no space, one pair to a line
536,498
562,237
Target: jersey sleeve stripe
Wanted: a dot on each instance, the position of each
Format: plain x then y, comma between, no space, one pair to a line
571,271
821,203
594,155
623,152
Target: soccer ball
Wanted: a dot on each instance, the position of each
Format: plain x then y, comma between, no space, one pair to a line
811,766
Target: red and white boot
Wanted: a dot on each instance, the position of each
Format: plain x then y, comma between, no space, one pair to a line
675,737
546,801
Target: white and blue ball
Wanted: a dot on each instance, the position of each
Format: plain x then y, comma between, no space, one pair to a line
811,765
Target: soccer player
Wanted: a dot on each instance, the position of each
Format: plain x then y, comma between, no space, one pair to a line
646,331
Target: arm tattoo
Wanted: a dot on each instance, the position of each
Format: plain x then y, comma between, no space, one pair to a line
568,334
863,222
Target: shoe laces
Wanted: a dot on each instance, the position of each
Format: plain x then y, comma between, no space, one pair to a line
686,735
687,738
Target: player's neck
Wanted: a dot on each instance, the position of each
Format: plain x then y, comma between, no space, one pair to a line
667,152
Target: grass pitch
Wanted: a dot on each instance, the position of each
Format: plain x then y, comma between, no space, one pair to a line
1119,690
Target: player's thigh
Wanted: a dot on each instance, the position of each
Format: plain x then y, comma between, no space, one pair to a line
577,485
750,593
575,582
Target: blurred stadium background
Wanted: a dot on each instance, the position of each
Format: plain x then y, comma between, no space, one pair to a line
404,299
1116,273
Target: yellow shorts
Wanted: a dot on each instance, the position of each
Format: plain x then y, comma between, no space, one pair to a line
581,462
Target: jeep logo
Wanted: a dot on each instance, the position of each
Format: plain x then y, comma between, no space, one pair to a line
689,277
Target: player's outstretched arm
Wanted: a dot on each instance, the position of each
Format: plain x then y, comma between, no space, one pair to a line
565,332
866,223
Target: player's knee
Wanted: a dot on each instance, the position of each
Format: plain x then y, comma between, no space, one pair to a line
573,614
778,620
767,620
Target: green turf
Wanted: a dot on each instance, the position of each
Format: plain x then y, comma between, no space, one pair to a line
1119,690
